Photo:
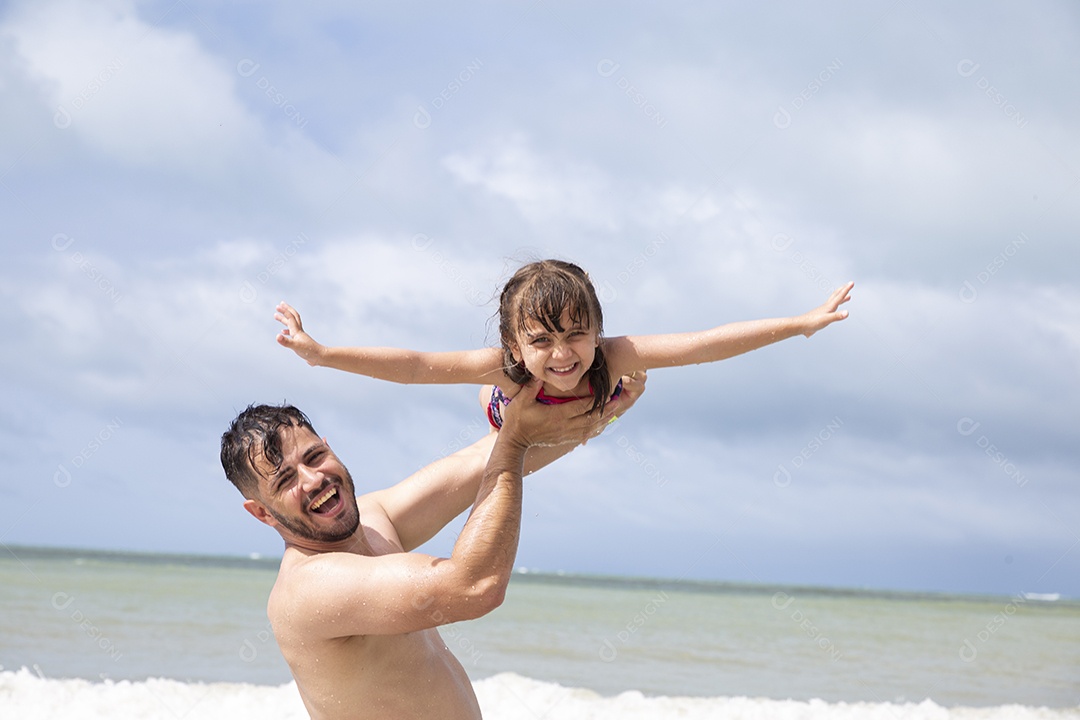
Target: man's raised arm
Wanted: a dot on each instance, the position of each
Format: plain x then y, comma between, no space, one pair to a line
399,593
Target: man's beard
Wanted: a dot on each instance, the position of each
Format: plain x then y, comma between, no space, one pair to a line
328,535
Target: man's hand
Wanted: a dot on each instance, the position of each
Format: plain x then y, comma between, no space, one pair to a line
294,337
828,313
633,385
534,424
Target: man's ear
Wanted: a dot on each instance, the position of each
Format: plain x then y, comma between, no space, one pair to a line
259,512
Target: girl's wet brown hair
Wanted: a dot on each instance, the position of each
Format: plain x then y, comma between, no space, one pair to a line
540,291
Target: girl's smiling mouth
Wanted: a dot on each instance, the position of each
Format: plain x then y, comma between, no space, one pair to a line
568,370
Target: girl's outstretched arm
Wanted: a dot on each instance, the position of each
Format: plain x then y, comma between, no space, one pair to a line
720,343
478,367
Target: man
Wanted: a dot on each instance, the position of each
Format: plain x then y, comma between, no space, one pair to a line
354,610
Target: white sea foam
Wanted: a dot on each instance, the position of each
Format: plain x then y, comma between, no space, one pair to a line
25,695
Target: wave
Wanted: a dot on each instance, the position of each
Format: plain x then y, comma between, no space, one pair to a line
26,695
1044,597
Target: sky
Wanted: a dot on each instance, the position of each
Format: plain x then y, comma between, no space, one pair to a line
170,171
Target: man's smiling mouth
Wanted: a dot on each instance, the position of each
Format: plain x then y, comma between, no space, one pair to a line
323,499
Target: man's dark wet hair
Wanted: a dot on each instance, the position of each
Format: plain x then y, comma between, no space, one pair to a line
257,432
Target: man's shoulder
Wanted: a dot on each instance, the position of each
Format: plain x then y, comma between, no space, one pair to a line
302,575
289,577
339,593
300,571
302,582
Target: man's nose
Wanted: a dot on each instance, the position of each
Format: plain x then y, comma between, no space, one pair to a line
310,478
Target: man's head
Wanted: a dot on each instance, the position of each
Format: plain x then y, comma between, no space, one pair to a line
290,478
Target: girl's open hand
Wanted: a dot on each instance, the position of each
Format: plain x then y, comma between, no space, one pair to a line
294,337
829,312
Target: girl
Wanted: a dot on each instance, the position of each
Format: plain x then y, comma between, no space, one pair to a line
551,327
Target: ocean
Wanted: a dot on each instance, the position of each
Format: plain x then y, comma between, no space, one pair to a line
90,634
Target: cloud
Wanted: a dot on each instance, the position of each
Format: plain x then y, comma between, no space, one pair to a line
142,94
543,189
152,99
115,331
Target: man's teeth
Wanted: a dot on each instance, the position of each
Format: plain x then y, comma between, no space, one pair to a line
326,496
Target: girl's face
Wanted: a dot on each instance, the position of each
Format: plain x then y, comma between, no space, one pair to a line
558,359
